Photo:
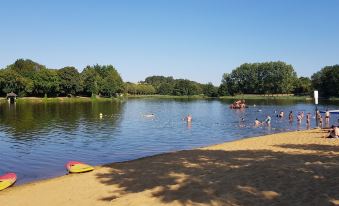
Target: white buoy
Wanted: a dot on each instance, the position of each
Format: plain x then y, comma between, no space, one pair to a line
100,115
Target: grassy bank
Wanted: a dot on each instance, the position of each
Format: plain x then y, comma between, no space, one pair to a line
259,96
157,96
63,99
245,96
169,96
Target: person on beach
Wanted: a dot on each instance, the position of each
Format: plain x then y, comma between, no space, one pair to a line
290,116
302,115
333,132
327,117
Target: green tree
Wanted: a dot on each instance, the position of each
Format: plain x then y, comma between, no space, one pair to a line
326,81
26,67
46,82
102,79
184,87
91,80
70,82
11,81
222,90
155,81
261,78
111,83
210,90
165,88
303,86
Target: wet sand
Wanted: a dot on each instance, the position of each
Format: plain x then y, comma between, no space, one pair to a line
295,168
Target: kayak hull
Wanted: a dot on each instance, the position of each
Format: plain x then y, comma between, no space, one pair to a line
78,167
7,180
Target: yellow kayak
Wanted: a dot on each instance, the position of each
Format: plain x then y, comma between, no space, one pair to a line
78,167
7,180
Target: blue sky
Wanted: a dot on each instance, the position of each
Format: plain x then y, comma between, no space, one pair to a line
195,39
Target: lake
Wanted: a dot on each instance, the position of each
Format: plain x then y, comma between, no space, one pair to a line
37,139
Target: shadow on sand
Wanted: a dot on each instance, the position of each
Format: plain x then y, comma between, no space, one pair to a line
216,177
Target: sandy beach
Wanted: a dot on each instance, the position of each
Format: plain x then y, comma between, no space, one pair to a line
295,168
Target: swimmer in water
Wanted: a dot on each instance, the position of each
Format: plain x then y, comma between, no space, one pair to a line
290,116
281,114
149,115
257,122
189,118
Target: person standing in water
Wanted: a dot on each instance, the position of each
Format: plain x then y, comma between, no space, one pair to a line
299,118
308,118
189,118
327,117
290,116
268,120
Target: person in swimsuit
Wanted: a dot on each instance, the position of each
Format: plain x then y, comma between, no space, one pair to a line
290,116
299,118
257,122
327,117
333,132
268,120
281,114
308,118
189,118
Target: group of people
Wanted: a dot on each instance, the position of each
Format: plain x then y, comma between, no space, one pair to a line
300,116
239,104
320,118
267,121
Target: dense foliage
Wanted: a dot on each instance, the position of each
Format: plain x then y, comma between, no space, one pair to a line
326,81
260,78
28,78
180,87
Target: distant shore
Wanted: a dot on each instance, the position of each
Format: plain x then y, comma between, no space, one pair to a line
293,168
61,99
157,96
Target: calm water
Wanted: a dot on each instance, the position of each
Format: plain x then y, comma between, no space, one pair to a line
37,139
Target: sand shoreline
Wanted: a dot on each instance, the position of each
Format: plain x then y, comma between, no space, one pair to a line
269,170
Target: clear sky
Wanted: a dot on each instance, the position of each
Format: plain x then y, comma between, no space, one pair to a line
194,39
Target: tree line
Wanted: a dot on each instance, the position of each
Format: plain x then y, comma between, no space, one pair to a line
28,78
278,78
169,86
